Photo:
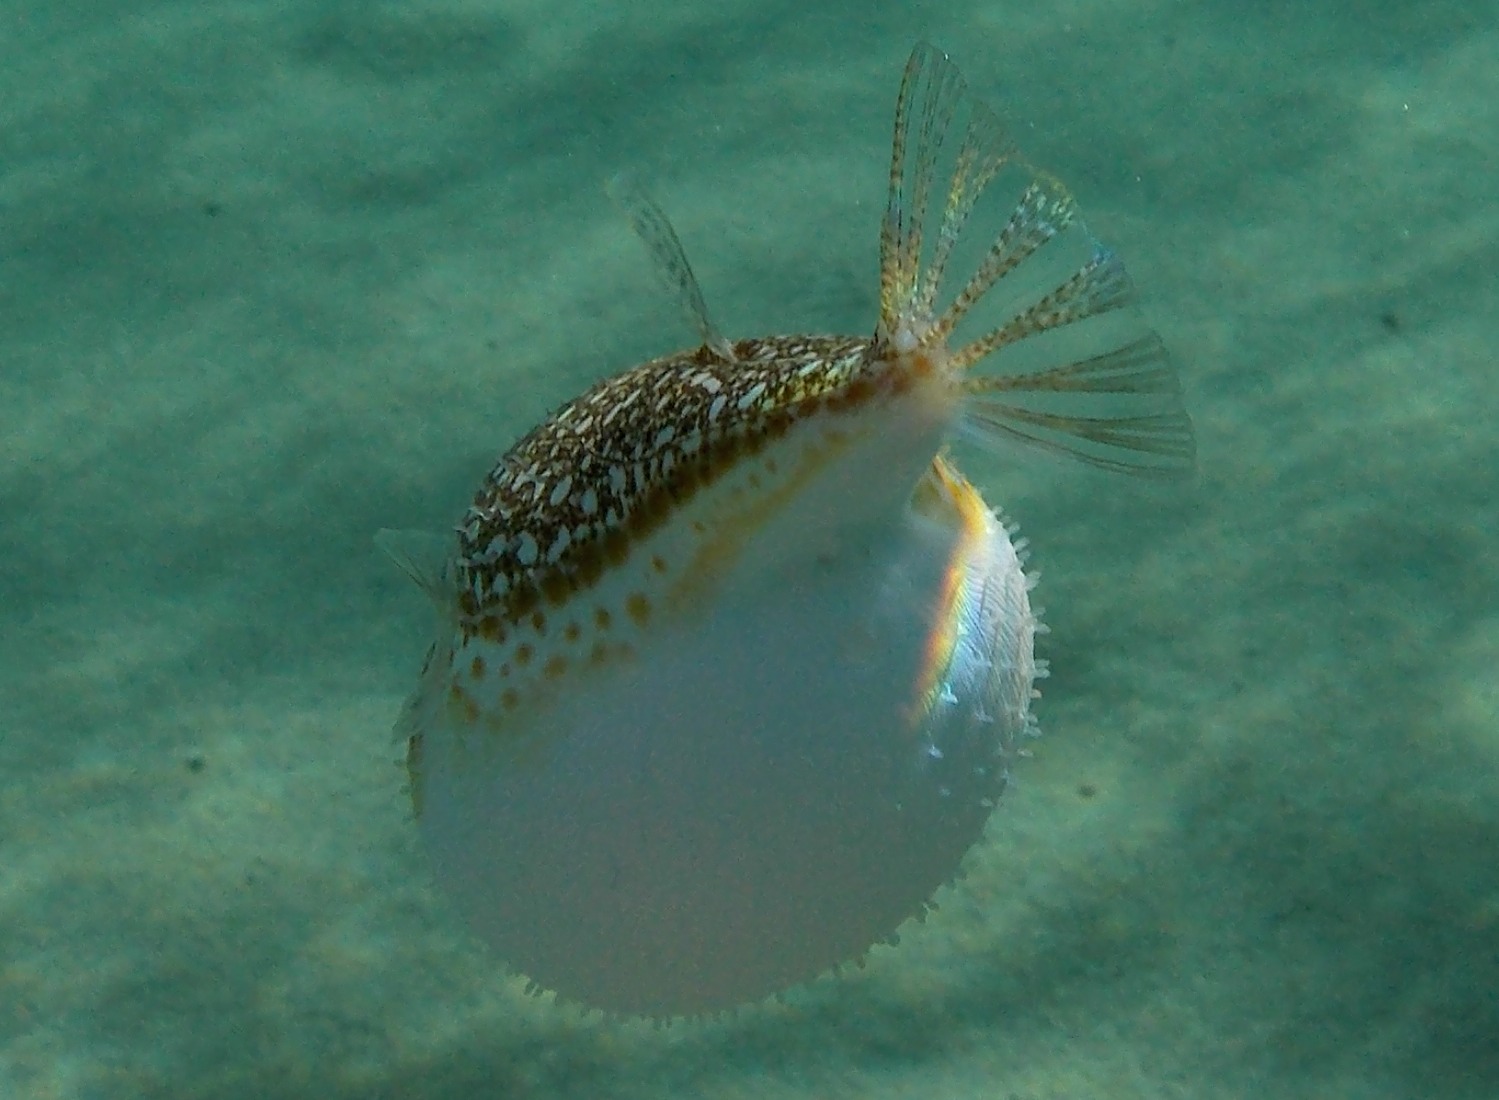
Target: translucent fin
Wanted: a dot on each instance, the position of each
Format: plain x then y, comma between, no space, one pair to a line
653,227
1057,358
1119,411
424,557
930,93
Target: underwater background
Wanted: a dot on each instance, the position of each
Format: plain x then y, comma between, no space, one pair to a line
276,275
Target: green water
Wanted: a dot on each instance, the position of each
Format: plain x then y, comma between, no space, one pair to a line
275,276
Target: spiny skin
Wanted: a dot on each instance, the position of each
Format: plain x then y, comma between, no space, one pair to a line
733,663
571,497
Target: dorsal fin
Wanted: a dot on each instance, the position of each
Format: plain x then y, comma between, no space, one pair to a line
653,227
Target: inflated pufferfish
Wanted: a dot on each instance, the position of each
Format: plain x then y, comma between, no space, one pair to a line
734,661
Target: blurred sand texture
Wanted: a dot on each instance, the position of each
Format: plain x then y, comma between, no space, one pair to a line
274,276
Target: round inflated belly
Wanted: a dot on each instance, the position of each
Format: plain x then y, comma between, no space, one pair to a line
749,797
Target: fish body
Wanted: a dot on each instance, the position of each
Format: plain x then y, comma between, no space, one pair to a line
734,661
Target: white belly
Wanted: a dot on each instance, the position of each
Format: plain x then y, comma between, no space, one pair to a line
739,791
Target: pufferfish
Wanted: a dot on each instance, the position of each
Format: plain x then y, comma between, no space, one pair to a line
733,660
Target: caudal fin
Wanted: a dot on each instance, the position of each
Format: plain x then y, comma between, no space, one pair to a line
1070,366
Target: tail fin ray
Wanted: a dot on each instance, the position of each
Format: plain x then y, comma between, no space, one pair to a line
1074,370
1120,410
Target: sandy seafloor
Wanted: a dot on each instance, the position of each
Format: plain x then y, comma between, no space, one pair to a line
276,275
